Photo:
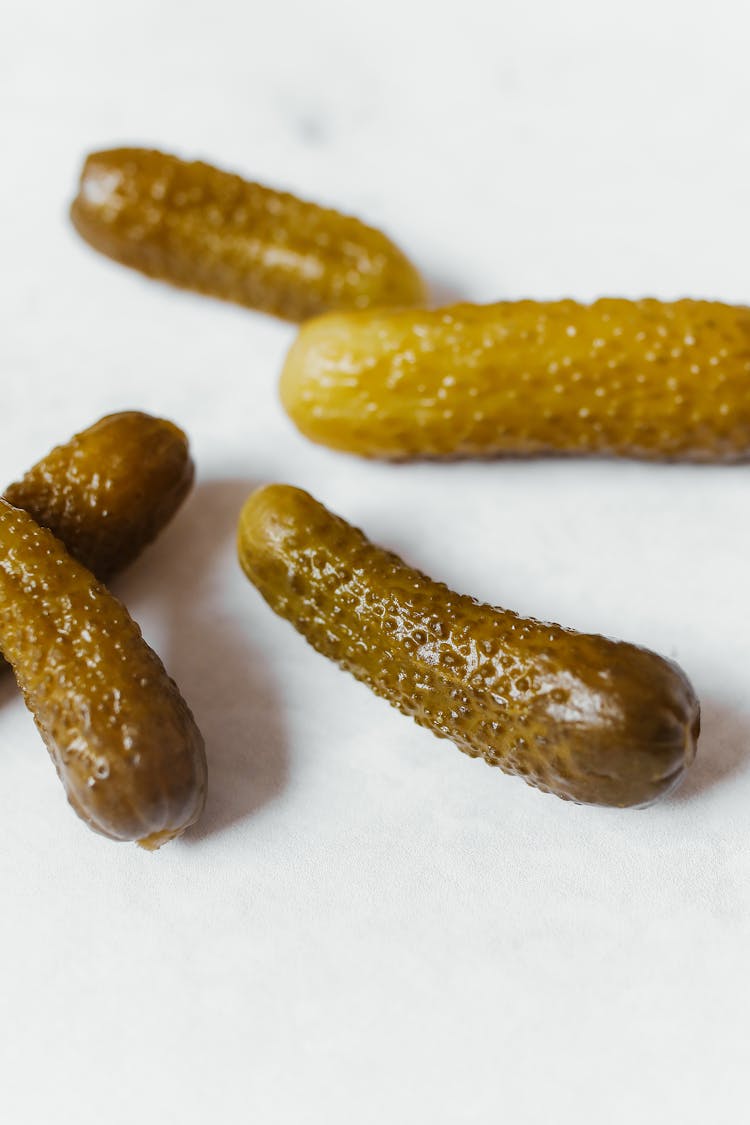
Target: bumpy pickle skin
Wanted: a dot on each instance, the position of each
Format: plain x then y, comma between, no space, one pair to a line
204,229
123,740
591,720
642,379
109,491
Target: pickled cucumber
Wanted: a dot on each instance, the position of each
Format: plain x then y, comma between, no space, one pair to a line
592,720
123,740
204,229
630,378
109,491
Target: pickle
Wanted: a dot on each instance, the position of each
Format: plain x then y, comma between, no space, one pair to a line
109,491
589,719
123,740
204,229
628,378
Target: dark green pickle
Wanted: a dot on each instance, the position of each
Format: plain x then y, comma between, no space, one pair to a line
589,719
110,490
200,228
122,738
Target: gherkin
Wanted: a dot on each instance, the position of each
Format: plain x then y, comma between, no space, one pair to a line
589,719
110,490
122,738
646,379
204,229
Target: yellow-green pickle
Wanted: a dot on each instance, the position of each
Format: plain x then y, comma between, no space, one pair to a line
646,379
110,490
201,228
592,720
122,738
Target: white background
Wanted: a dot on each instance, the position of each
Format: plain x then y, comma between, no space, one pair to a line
367,926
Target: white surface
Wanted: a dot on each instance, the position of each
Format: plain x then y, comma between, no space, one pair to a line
369,927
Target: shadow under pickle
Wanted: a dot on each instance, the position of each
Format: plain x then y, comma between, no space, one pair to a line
219,671
442,292
8,685
723,750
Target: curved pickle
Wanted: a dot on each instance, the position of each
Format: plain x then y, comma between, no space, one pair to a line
205,229
110,490
123,740
589,719
644,379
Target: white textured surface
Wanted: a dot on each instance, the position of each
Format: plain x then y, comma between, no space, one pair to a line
369,927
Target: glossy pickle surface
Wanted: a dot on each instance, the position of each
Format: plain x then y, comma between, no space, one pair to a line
201,228
646,379
592,720
109,491
123,740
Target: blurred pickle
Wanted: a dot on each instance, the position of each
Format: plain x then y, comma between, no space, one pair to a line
204,229
123,740
641,379
110,490
589,719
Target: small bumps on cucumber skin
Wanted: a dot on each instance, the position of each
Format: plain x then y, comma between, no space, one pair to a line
204,229
589,719
642,379
109,491
123,740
